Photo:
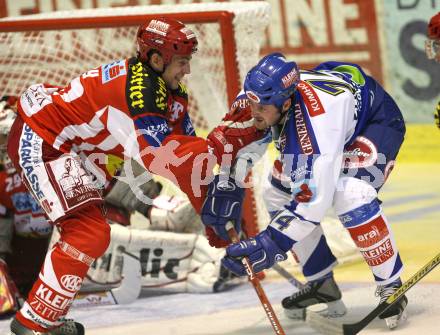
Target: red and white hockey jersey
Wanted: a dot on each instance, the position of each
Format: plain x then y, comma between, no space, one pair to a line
101,110
31,232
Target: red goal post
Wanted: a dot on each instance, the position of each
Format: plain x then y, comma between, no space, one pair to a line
56,47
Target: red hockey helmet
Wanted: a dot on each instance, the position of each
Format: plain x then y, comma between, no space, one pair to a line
434,27
167,36
432,44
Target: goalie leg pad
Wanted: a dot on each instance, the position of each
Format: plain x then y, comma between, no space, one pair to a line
170,262
174,214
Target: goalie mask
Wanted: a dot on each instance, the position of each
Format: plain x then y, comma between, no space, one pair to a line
272,81
7,117
168,36
432,44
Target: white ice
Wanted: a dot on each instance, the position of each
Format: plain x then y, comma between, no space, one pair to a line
238,312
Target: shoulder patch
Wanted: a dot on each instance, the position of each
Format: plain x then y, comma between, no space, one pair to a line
113,70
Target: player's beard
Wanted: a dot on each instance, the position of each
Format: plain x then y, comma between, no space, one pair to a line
260,123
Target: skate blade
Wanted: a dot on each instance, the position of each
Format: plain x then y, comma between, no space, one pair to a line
298,314
324,325
334,309
394,321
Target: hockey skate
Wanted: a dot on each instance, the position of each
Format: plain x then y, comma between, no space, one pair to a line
226,280
396,314
316,292
69,327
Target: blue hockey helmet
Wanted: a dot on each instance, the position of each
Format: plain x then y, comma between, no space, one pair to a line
272,80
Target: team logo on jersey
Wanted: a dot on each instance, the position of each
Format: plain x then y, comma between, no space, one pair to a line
300,173
311,99
113,70
73,184
303,133
161,94
52,299
366,235
380,254
360,154
71,282
136,86
176,110
30,156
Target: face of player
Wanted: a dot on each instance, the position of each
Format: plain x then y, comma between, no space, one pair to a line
176,70
266,116
432,49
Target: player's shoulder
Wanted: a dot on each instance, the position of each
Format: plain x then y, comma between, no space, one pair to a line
146,90
328,85
319,75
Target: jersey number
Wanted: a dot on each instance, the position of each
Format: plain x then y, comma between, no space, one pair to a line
332,87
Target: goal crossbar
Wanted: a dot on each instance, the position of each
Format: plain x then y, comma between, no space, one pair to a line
225,19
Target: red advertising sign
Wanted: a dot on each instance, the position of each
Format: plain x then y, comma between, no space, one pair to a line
314,31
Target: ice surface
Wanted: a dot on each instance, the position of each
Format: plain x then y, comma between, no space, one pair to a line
238,312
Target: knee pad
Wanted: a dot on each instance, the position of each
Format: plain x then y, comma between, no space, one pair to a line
352,193
88,231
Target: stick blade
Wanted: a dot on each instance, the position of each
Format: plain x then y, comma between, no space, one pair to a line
131,284
324,325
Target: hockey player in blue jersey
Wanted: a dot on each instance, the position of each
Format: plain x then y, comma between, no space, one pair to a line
338,134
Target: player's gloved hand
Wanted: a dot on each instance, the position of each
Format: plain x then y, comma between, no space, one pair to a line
437,115
262,251
223,203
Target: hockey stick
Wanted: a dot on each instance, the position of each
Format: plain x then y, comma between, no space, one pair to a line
285,274
276,325
332,327
127,292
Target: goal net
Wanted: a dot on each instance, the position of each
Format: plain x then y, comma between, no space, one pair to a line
57,47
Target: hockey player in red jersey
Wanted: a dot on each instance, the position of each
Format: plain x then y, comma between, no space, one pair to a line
338,134
24,230
131,108
432,49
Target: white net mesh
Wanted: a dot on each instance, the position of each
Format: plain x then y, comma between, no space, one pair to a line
58,55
